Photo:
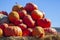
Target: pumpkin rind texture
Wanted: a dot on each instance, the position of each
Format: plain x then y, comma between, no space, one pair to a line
13,31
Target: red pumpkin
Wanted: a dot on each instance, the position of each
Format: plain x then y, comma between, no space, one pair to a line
26,32
29,21
22,13
4,13
45,23
3,26
31,30
18,22
30,7
23,26
49,31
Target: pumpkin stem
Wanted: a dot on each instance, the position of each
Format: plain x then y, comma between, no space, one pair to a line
16,3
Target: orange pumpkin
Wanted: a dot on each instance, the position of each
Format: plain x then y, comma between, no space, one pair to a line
38,32
1,32
17,8
13,31
36,14
13,16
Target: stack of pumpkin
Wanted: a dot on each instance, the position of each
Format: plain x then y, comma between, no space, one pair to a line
25,21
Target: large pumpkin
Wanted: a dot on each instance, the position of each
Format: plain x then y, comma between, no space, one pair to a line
13,31
13,16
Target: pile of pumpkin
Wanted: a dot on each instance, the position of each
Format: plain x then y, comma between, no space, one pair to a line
25,21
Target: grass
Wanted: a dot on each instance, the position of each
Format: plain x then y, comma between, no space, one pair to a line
47,37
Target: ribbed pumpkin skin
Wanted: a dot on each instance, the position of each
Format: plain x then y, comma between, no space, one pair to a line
12,31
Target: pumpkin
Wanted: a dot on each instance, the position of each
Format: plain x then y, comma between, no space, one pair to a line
13,16
1,32
38,32
17,8
13,31
36,14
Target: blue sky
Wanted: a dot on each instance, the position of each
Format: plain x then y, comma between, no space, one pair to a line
50,7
